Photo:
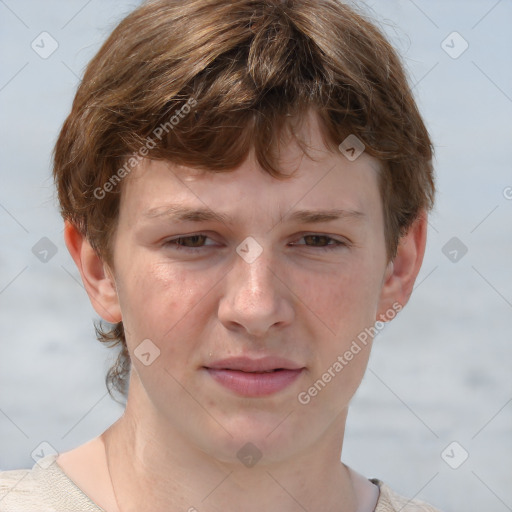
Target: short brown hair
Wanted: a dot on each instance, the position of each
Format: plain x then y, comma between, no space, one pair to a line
252,68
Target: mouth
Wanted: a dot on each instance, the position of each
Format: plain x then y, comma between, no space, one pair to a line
253,365
254,377
273,370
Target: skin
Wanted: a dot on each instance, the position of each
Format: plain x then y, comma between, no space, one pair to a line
176,445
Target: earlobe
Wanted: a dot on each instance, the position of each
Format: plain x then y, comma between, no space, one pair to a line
401,273
97,279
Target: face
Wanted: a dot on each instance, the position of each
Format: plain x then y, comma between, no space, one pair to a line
247,286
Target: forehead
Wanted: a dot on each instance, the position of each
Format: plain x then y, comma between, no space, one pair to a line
319,178
161,190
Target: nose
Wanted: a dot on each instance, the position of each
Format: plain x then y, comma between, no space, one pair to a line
256,298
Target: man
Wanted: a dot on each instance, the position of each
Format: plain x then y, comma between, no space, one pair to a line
245,187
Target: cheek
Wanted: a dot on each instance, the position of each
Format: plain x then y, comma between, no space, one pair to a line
344,307
164,304
158,299
342,301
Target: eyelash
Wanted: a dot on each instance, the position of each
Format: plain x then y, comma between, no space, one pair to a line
338,244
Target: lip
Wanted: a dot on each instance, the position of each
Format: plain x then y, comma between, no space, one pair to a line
254,377
249,364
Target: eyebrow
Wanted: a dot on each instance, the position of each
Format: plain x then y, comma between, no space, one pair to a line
184,214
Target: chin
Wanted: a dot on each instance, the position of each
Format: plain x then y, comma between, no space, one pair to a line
259,435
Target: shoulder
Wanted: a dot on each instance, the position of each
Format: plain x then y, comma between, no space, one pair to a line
19,490
44,488
14,484
390,501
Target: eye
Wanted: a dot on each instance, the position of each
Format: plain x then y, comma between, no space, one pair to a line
187,242
320,241
198,241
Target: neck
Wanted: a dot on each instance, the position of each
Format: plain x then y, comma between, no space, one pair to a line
153,467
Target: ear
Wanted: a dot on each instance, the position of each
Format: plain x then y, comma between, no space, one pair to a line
401,273
96,276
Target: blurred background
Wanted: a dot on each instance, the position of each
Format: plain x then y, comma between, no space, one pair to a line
433,417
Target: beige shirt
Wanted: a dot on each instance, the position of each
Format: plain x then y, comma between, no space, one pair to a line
46,488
